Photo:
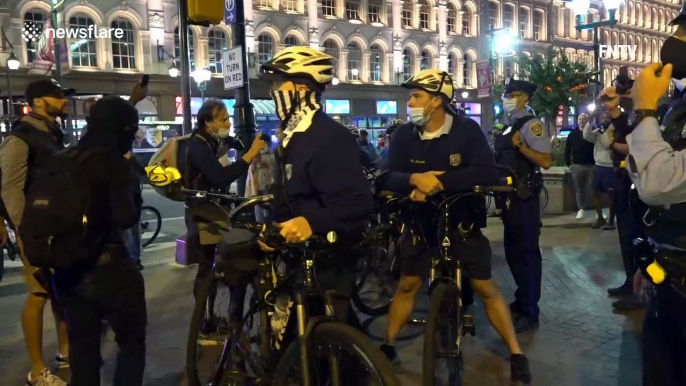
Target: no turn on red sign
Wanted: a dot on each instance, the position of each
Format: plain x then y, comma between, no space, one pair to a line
232,63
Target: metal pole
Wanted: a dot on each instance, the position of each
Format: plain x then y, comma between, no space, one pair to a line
9,95
243,113
56,44
185,67
596,62
491,64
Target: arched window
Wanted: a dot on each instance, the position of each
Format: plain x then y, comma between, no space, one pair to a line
523,22
538,25
84,52
654,51
606,75
467,70
493,14
33,19
424,14
265,48
407,14
508,17
508,67
375,61
408,64
331,48
632,54
124,49
426,60
451,19
354,61
452,65
466,21
191,46
291,41
622,42
216,44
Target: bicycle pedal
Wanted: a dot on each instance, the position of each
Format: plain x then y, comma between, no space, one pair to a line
468,325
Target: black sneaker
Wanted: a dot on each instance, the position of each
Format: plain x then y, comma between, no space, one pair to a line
524,323
390,353
599,223
520,375
628,303
609,227
139,265
622,290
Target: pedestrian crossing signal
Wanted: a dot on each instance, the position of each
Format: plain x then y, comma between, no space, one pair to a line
206,11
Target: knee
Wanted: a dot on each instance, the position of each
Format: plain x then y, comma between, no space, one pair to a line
35,303
409,285
487,289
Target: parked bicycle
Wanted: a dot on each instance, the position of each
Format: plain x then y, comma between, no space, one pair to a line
261,350
151,224
447,323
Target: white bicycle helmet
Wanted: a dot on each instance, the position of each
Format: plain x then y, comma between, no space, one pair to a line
353,130
299,63
437,82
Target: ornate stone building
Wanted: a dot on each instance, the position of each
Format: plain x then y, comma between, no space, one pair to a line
377,43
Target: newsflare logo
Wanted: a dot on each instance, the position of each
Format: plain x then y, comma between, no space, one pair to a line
31,32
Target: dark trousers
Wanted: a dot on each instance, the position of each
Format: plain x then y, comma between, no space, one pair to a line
114,292
522,222
196,252
627,226
664,339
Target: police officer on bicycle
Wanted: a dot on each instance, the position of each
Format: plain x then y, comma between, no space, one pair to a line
657,166
319,183
443,151
525,148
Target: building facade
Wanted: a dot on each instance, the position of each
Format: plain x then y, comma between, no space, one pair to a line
377,43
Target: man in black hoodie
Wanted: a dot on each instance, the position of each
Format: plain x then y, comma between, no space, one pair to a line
110,287
579,159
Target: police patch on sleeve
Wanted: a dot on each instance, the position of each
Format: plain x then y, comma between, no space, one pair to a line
536,129
289,171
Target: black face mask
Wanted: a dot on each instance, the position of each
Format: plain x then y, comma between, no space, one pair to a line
673,52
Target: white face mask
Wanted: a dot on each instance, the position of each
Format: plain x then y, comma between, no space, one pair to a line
417,115
509,104
220,133
680,84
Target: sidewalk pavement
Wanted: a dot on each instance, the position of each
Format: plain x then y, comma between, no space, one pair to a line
581,341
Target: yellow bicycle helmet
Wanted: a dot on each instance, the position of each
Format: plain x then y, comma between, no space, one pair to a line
161,176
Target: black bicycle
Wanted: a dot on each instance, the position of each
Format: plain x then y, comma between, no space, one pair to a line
151,224
446,323
267,347
378,271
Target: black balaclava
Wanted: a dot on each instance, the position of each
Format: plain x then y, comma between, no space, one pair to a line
112,123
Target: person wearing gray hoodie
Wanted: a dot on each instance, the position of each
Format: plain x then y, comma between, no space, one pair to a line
603,173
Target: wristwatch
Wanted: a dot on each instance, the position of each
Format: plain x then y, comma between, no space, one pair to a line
640,114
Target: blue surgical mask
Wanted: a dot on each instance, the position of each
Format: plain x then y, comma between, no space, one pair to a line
509,105
417,115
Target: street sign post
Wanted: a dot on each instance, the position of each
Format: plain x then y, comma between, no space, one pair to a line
232,60
229,12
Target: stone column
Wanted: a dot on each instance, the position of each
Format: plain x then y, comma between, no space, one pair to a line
442,21
396,12
397,56
460,71
342,70
146,52
388,69
202,54
415,16
313,23
366,67
279,48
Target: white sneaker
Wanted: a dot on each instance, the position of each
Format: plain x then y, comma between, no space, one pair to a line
46,378
580,214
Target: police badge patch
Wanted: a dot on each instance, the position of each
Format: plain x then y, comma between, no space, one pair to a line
455,160
536,129
289,171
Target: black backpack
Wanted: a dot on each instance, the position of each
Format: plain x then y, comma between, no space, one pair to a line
54,225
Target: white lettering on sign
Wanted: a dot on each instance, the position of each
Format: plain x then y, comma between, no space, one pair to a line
617,51
232,61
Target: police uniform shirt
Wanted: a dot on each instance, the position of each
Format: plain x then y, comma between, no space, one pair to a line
533,134
658,172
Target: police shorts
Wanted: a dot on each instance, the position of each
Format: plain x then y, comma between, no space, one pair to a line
474,253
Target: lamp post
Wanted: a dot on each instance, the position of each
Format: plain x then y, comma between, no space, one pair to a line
503,45
201,77
173,70
580,8
56,43
12,64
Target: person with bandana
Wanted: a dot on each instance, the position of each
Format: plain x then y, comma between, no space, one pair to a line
206,224
441,150
319,183
33,139
525,147
657,167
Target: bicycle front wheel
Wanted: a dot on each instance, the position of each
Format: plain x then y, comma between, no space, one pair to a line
151,224
360,362
442,359
378,279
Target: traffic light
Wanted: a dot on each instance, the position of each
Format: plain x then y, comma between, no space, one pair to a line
206,11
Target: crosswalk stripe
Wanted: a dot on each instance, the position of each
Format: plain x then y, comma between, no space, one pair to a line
160,246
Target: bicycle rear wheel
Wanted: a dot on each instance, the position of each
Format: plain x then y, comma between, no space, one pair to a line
360,361
151,224
442,358
544,197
